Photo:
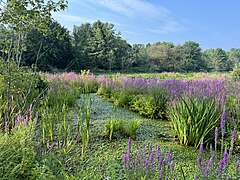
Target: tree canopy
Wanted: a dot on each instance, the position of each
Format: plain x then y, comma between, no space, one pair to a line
34,37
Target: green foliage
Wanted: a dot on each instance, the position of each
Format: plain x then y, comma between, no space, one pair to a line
124,126
236,72
113,126
56,97
129,128
194,119
29,14
123,98
25,86
152,105
161,57
105,89
56,49
98,46
220,60
191,57
18,155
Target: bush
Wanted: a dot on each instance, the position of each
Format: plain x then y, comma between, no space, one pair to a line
152,105
236,72
123,98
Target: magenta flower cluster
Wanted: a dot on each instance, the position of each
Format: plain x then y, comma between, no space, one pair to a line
149,162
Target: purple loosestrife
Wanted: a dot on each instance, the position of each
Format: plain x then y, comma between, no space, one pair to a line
237,167
216,138
169,156
225,157
223,118
129,143
234,135
161,174
207,173
30,112
220,168
200,152
126,160
222,125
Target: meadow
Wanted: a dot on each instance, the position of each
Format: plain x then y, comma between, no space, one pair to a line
125,126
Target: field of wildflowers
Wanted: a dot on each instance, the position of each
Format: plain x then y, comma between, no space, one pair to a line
80,127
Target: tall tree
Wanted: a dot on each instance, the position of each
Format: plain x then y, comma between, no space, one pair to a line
192,57
21,17
57,49
161,56
208,56
81,38
233,57
220,60
101,43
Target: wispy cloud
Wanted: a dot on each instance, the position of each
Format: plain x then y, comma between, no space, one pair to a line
72,18
134,8
170,26
78,19
131,16
162,17
132,32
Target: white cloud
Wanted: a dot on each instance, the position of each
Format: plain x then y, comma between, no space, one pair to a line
135,8
131,32
159,18
72,18
141,9
169,26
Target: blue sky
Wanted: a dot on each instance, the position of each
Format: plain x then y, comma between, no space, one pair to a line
212,23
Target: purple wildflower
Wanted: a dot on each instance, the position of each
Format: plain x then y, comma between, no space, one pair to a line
225,157
169,156
126,160
129,144
223,118
216,138
234,134
237,167
220,167
161,174
200,152
207,173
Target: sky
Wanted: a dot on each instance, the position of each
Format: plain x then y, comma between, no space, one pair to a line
211,23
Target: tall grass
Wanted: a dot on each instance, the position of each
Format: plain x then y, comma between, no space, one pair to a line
194,119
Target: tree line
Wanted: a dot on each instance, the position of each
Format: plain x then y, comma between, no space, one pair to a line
99,47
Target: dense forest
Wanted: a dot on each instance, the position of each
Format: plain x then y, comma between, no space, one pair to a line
99,47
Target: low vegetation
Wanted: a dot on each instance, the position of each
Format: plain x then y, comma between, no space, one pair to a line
65,125
63,134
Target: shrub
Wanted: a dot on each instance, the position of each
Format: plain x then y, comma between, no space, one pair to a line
123,98
194,119
236,72
152,105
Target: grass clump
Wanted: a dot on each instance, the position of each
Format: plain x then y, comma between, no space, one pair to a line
123,126
194,119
